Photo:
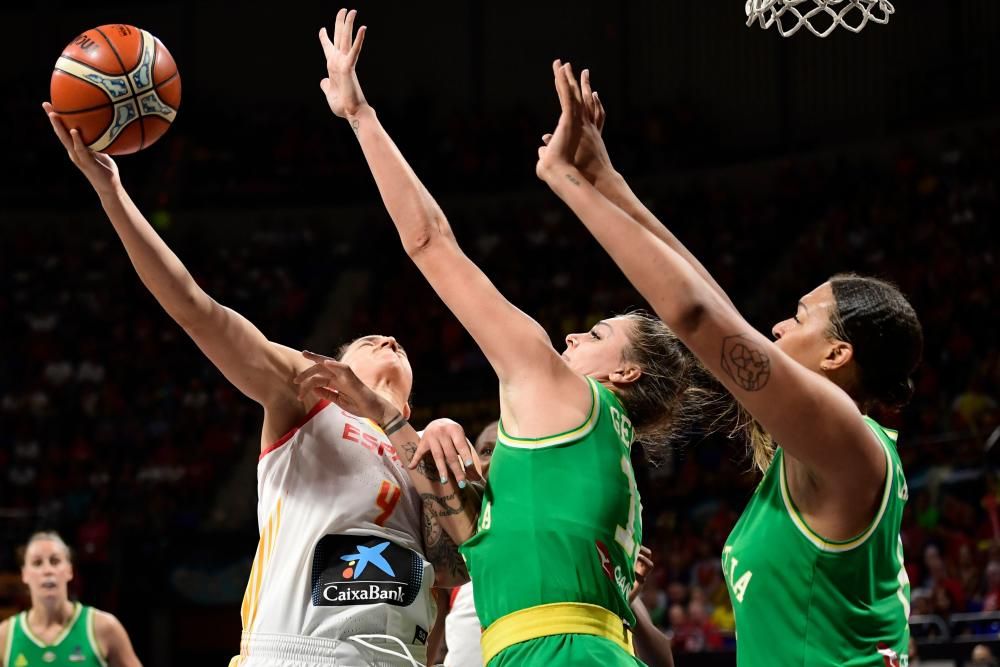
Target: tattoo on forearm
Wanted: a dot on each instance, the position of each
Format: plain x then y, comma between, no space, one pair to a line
426,466
573,179
449,504
355,124
440,550
745,362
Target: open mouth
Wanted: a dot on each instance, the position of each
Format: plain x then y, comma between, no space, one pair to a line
49,585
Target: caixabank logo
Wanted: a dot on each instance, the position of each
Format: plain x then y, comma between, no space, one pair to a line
360,569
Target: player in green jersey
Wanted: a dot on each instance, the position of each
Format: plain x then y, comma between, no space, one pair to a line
557,537
57,632
815,565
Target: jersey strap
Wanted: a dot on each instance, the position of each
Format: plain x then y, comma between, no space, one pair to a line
561,618
562,438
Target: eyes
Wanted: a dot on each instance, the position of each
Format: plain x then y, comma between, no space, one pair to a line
593,334
796,318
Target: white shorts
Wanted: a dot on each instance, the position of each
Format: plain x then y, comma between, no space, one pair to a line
274,650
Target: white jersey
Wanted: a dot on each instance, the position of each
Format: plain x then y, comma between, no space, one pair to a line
462,630
340,551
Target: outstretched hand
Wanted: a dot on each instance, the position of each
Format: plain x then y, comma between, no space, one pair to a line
558,155
336,382
341,87
100,169
591,157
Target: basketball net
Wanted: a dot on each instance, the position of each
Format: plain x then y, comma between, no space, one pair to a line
820,17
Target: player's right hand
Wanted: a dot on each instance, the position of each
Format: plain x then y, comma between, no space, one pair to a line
341,87
445,441
591,157
100,169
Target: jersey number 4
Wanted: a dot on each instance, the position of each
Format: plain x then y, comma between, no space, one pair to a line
387,499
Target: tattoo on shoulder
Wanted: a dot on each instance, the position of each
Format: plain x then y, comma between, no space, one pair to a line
355,124
573,179
745,362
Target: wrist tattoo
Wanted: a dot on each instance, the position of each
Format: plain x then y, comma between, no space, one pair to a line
355,124
745,362
394,425
573,179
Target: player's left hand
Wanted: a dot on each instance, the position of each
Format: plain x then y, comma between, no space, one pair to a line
643,566
341,87
336,382
591,157
555,160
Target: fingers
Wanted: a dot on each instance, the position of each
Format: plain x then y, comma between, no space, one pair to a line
347,35
324,41
358,41
599,113
546,138
562,89
338,28
588,95
439,461
318,358
574,87
315,383
57,125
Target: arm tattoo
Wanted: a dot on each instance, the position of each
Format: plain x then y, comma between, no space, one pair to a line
440,550
355,124
745,362
426,465
573,179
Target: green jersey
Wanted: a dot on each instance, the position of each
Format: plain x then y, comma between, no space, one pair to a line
803,600
561,519
75,647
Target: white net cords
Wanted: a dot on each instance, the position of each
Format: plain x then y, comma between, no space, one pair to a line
790,15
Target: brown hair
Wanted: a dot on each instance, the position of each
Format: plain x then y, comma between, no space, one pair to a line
37,536
676,395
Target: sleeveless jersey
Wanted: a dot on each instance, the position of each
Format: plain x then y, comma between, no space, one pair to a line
75,647
561,519
802,600
340,551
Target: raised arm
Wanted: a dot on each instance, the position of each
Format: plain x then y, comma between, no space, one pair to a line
259,368
812,418
594,162
515,345
450,507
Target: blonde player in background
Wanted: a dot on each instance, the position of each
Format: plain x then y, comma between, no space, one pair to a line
57,631
347,553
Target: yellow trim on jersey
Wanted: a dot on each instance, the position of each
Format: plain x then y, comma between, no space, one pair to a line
560,618
92,638
562,438
77,609
832,546
265,549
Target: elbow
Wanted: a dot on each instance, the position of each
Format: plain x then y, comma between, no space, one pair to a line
432,234
687,317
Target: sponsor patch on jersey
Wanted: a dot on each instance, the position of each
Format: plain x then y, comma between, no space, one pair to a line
353,570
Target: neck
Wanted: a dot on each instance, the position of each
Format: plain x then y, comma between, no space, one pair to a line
50,612
390,391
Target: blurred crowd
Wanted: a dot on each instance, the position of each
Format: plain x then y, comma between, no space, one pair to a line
117,432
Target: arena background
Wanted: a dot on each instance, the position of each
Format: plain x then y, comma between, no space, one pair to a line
778,161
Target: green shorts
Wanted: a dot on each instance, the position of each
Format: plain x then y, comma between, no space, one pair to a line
565,651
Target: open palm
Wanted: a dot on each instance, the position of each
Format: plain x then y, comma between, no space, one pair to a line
341,87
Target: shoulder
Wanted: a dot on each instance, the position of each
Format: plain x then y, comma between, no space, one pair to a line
107,628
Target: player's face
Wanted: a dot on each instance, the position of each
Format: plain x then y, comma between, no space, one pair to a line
599,352
375,358
804,335
47,569
485,443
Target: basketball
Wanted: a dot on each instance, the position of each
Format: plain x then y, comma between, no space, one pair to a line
118,86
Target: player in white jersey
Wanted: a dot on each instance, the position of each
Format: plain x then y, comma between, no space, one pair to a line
336,507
